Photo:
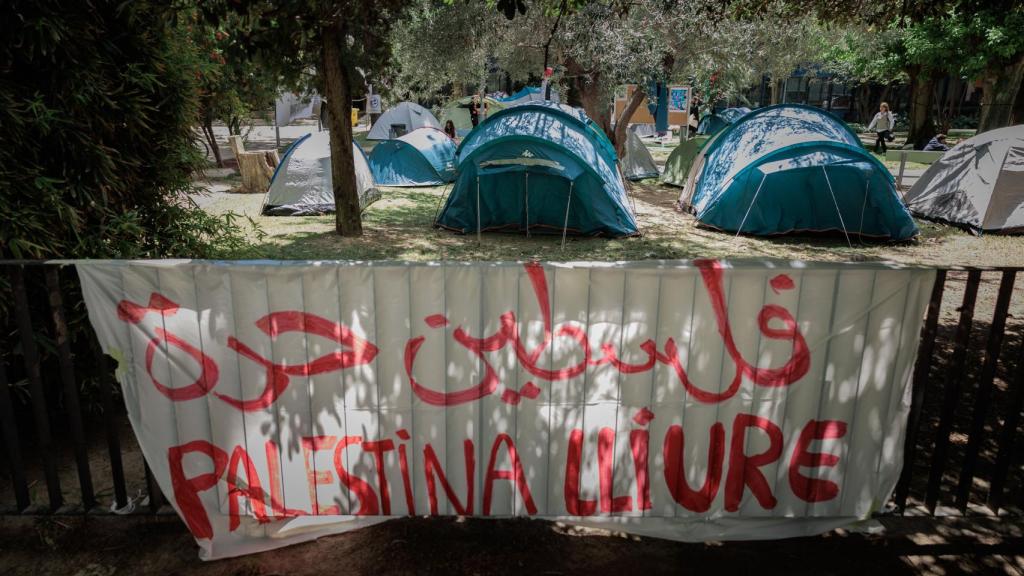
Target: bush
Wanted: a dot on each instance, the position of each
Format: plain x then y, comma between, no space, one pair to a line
97,105
964,122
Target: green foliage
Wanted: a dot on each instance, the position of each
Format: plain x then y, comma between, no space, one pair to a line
439,44
97,105
284,39
232,86
862,54
977,40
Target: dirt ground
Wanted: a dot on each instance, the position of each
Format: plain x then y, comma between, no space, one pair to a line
105,546
399,227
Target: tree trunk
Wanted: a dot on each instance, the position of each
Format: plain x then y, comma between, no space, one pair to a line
622,122
882,97
590,94
338,98
921,120
862,103
547,45
1002,84
211,140
256,170
774,91
1018,109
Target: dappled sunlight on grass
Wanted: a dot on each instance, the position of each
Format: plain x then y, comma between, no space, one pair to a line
399,226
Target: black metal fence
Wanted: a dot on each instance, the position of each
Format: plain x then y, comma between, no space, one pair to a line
960,450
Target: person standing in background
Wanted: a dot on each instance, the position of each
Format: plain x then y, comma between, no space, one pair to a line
883,124
693,121
474,111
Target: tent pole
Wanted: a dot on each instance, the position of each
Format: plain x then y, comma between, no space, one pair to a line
764,177
836,203
479,239
568,202
526,197
437,209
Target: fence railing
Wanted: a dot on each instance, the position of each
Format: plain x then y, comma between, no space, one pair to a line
959,454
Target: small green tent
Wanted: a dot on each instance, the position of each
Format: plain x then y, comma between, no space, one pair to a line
679,162
538,167
458,112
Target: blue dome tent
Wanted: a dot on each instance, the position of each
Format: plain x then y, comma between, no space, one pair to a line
524,94
423,157
714,122
538,167
794,168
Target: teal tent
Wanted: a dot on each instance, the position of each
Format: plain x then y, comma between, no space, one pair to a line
423,157
714,122
524,94
792,168
538,167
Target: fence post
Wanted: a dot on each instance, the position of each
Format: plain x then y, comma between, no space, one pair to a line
113,441
11,442
67,376
35,383
984,391
958,365
920,386
1007,435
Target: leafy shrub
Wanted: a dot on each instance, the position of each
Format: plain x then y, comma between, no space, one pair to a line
97,104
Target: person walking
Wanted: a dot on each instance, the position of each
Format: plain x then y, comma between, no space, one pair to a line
883,124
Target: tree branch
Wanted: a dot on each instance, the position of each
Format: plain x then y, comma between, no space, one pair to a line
547,45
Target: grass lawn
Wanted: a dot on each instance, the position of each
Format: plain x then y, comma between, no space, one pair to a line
399,227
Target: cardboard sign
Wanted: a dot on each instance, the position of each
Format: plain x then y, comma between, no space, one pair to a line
279,402
373,104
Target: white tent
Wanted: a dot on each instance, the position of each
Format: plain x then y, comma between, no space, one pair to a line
979,184
302,184
402,119
637,162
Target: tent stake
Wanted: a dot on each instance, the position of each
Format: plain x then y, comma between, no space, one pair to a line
764,177
834,201
479,239
568,202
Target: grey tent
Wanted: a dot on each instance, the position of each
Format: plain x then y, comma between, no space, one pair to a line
402,119
978,184
643,130
637,162
302,183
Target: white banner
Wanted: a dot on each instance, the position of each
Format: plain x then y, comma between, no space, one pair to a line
290,107
277,402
